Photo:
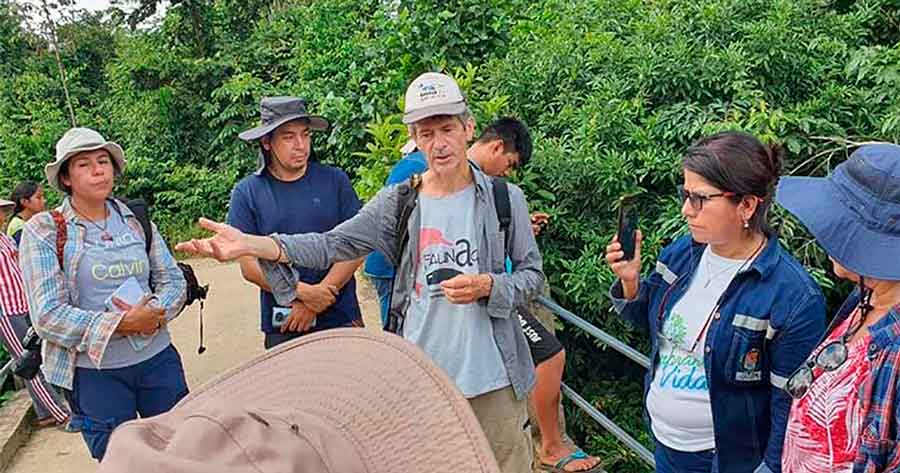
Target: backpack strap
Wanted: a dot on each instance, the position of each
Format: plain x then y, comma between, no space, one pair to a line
61,235
500,188
408,192
139,208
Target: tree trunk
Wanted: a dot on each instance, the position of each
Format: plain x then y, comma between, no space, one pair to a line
54,43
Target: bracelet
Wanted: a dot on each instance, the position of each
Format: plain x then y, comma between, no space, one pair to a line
280,250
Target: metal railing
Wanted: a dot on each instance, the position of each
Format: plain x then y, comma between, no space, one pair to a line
581,402
5,372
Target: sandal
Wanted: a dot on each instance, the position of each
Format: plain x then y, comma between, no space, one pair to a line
45,422
560,466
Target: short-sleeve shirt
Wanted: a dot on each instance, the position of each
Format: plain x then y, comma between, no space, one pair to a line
15,226
458,337
315,203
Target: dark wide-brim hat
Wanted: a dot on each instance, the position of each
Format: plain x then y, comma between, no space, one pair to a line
855,212
276,111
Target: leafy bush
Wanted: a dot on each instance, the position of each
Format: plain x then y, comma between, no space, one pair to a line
613,90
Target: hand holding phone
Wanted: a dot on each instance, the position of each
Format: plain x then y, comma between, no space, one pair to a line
626,264
141,318
628,225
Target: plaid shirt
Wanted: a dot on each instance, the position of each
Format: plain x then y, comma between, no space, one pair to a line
53,293
880,412
12,290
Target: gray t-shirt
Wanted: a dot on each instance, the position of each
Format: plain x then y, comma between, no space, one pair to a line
109,259
458,337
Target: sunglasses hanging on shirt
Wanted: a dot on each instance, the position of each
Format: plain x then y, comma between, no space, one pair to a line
834,354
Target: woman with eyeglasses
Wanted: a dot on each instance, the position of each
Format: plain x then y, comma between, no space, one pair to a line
730,315
845,412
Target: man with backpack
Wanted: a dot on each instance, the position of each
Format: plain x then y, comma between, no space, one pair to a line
452,295
503,146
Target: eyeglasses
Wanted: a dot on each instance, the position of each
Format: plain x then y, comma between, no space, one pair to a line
697,200
830,357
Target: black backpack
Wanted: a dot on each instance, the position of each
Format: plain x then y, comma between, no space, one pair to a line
408,192
195,292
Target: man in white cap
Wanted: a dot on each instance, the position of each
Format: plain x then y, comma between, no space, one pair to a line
452,295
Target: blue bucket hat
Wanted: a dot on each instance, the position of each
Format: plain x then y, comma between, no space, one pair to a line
855,212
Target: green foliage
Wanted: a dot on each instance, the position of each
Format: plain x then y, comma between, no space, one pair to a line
613,90
388,135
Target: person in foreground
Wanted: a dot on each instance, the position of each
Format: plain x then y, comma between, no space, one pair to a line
356,402
845,411
729,312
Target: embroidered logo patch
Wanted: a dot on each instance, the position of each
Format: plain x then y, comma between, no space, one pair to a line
751,360
750,370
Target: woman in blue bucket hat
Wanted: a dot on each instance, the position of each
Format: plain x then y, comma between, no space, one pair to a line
844,417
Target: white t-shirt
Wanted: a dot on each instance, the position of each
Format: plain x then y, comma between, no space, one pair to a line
678,401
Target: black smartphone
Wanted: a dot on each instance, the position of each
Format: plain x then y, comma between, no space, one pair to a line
441,275
628,225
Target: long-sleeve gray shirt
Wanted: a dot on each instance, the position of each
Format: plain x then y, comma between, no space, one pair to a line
374,228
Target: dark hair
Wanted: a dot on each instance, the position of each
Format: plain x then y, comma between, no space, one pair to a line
64,172
25,190
738,162
514,134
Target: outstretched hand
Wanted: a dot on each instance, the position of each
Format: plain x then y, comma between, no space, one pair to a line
227,244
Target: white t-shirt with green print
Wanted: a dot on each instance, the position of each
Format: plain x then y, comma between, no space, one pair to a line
678,401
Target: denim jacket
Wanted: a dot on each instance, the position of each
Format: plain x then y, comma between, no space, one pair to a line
773,311
373,228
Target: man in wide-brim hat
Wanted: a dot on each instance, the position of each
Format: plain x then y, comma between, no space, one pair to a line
291,192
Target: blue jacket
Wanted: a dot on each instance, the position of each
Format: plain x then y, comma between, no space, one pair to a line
772,311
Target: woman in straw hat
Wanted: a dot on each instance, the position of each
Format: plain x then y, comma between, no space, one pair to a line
845,412
88,281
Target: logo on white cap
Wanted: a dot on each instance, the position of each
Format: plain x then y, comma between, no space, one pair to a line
430,94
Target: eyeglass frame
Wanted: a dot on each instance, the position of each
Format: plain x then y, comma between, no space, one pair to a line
812,362
697,200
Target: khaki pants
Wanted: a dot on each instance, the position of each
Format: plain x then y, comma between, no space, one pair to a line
503,419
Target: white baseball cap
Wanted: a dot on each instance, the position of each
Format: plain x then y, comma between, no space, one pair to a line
432,94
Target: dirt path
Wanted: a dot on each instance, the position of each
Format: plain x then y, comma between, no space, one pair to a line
231,330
